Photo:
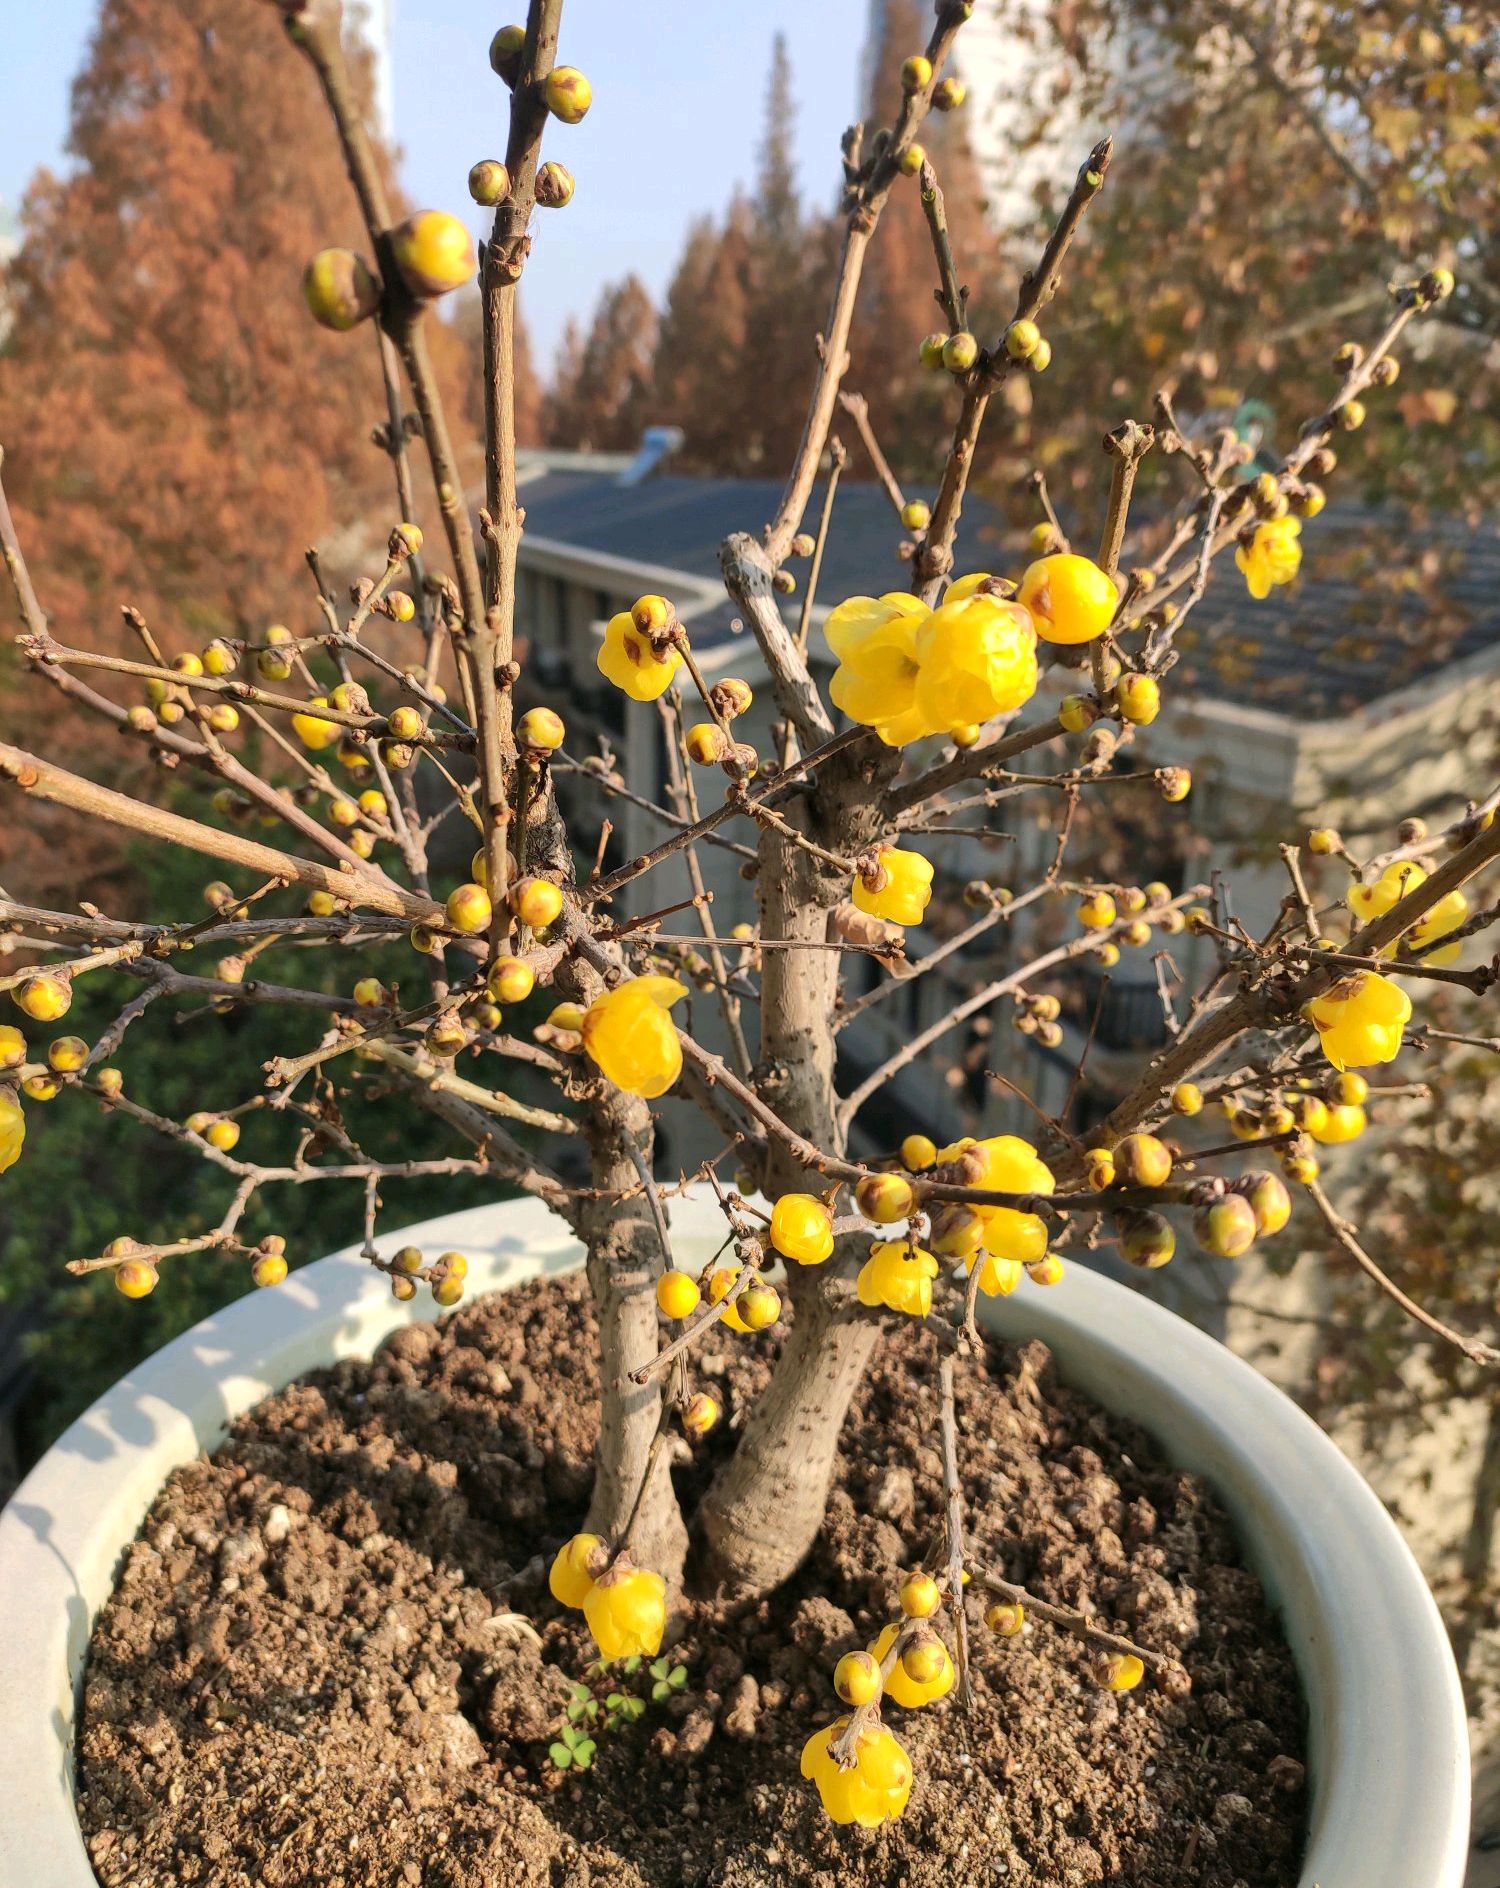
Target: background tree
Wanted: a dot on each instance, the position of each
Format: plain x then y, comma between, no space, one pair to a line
1332,148
602,396
223,428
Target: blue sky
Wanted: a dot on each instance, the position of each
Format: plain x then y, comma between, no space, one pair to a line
676,120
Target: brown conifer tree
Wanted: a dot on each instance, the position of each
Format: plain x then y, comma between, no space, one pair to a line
603,395
158,317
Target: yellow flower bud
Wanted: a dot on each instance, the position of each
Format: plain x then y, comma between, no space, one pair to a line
909,1692
489,182
569,94
311,730
542,729
468,909
916,72
1138,698
1268,1199
960,351
1097,911
1070,598
884,1197
677,1295
536,902
802,1228
339,290
1141,1160
136,1278
1005,1617
920,1596
269,1269
918,1153
511,980
1021,338
1341,1124
1123,1671
434,253
66,1054
44,997
1225,1227
12,1128
856,1678
700,1413
705,743
759,1306
574,1568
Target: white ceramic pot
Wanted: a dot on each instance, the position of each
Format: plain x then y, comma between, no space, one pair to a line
1387,1740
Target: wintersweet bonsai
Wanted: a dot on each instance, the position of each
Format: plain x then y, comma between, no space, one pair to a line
938,686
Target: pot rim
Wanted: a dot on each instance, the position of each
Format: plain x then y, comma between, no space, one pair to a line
1387,1734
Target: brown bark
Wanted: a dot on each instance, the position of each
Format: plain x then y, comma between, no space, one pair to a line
761,1517
624,1261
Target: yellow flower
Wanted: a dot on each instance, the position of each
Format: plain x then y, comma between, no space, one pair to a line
802,1228
977,659
1004,1163
627,1612
571,1579
998,1277
1007,1164
1010,1235
627,658
313,731
875,641
1359,1021
12,1129
1446,915
631,1036
877,1786
1070,598
901,1686
898,1274
903,898
1272,556
1374,901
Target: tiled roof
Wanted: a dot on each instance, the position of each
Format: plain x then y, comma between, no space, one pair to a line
1331,642
1349,630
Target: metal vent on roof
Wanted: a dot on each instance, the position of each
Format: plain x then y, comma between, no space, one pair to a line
658,443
